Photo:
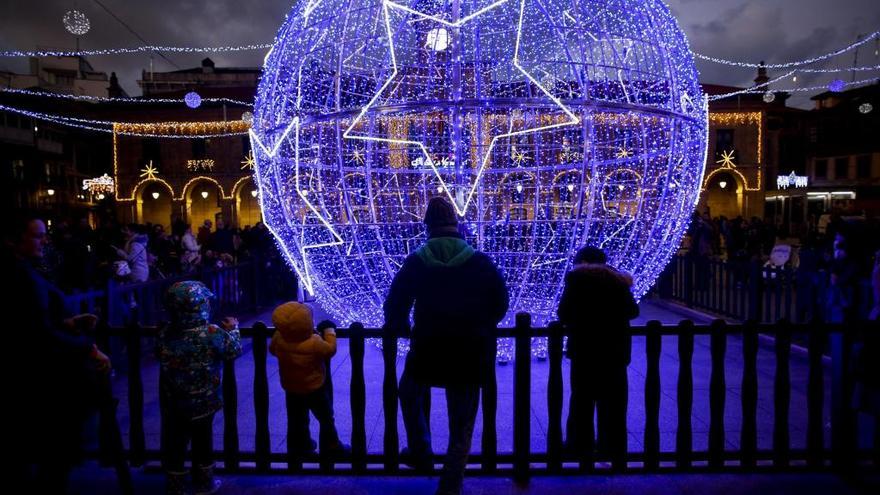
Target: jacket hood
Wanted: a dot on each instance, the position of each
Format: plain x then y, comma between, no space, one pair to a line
188,303
600,269
445,252
294,321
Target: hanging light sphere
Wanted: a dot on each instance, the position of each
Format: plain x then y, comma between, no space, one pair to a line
247,117
769,97
192,99
866,108
837,85
513,110
75,22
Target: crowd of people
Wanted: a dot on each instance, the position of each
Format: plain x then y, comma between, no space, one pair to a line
739,239
447,298
80,258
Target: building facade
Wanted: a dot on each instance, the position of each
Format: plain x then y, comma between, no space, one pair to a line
753,139
843,162
197,163
43,164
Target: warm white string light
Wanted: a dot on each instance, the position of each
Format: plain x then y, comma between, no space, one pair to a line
104,99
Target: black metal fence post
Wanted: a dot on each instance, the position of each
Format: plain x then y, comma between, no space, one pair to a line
522,395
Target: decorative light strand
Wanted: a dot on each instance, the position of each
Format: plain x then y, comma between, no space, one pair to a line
105,99
263,46
866,68
753,88
136,49
797,63
135,129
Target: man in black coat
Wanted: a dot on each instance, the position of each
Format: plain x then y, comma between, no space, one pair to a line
596,308
458,296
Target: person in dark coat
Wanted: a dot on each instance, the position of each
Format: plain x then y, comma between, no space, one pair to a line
458,296
49,374
221,239
596,308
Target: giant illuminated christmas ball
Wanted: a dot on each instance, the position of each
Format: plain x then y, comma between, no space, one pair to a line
550,124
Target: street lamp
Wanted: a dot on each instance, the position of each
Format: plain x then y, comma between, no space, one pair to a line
50,192
723,184
100,196
155,195
204,194
254,193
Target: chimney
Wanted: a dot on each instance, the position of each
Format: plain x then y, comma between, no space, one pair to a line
207,66
762,75
115,90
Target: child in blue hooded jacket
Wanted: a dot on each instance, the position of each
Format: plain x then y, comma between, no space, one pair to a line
191,353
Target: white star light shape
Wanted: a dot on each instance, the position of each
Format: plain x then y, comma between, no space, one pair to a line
460,208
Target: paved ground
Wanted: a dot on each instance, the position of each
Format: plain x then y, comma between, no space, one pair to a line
636,418
93,480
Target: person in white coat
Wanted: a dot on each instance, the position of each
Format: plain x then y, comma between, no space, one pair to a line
135,253
191,250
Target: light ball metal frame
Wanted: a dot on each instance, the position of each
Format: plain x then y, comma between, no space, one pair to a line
76,23
549,124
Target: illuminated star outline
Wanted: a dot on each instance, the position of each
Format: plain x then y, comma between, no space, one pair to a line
727,159
248,162
149,171
460,209
294,127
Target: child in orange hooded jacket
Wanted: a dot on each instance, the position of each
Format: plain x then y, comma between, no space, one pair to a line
302,356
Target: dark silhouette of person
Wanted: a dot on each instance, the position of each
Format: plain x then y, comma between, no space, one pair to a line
49,377
458,296
596,308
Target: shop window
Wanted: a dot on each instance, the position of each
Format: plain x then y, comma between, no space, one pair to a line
841,168
723,141
863,167
821,169
151,151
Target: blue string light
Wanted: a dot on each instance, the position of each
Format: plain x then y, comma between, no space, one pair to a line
549,124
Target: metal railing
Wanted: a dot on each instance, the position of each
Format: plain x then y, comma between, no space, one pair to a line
522,461
748,290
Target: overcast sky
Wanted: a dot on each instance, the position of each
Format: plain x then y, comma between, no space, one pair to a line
751,30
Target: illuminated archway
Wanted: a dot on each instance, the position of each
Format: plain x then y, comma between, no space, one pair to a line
724,194
202,198
247,204
154,202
